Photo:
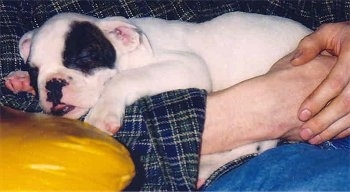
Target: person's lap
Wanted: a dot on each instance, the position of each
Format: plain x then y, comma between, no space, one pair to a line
292,167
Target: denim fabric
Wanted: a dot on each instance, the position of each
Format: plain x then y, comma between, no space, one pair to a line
336,144
292,167
18,17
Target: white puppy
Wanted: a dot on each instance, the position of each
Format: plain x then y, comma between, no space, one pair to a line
102,65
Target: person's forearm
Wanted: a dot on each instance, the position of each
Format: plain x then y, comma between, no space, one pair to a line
261,108
237,116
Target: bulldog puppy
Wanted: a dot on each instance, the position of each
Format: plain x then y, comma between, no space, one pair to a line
99,66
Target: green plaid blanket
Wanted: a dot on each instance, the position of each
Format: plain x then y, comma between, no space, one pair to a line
162,131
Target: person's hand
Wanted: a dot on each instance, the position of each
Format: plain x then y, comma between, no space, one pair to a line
326,111
262,108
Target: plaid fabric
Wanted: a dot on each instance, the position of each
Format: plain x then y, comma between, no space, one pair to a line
152,125
163,134
18,17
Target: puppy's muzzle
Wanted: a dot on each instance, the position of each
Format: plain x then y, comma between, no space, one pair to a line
54,95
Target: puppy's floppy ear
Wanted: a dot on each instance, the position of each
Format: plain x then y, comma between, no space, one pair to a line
123,34
24,44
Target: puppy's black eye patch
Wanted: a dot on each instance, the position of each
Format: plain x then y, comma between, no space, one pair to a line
86,48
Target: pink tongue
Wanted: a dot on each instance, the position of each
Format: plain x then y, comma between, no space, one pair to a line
61,109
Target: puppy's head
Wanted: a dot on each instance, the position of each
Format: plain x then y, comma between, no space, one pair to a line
75,55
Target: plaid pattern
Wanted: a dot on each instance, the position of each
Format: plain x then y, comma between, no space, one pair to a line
18,17
163,131
163,134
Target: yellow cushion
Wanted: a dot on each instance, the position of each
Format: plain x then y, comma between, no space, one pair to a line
40,152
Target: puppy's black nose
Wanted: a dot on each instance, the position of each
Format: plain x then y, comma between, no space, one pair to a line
54,90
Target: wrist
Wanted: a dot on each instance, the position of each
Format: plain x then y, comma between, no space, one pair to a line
236,116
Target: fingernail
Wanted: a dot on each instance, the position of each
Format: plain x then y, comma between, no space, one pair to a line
306,134
316,140
305,115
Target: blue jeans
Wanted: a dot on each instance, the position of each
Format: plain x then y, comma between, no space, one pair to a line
295,167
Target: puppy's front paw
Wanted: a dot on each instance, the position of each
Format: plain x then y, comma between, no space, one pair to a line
19,81
105,117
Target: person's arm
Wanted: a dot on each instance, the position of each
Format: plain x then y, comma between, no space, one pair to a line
261,108
326,110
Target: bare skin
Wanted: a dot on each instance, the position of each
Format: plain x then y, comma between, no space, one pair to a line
326,111
262,108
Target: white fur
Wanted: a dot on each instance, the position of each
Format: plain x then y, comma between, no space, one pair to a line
167,55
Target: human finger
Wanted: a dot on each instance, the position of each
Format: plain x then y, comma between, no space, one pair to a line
330,88
344,133
328,118
309,47
338,129
329,37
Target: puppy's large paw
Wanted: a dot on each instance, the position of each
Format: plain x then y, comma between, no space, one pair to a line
105,117
19,81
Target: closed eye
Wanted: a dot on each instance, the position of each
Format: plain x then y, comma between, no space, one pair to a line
87,49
